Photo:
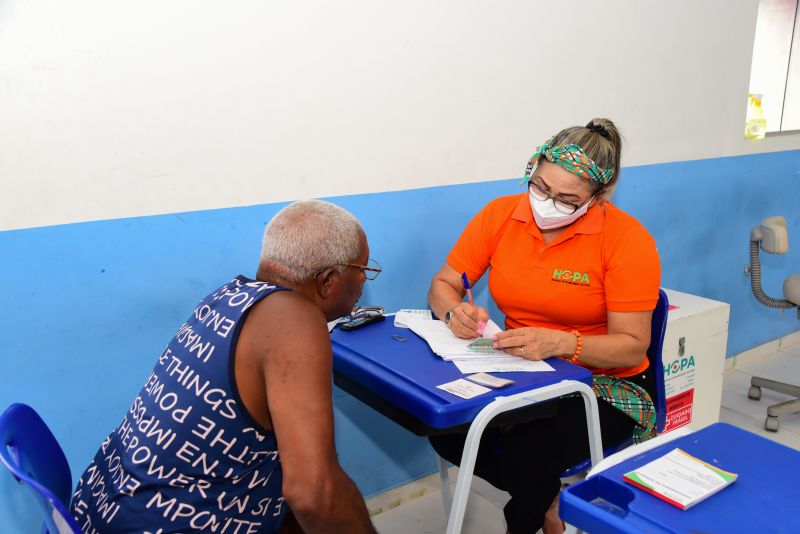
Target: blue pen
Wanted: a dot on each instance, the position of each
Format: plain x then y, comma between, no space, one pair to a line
465,283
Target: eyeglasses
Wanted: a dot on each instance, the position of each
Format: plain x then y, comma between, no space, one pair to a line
366,311
371,270
564,206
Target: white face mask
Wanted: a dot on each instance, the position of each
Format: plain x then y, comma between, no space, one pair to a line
548,217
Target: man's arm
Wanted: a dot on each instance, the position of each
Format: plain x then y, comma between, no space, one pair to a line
295,352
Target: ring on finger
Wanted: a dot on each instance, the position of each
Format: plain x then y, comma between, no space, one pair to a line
521,350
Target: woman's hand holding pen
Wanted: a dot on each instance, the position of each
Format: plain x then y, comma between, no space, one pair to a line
534,343
468,320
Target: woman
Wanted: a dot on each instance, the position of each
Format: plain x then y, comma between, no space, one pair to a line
576,278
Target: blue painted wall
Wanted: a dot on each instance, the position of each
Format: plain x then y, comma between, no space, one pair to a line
88,307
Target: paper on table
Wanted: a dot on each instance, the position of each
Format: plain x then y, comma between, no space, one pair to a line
464,388
403,316
448,346
501,365
451,348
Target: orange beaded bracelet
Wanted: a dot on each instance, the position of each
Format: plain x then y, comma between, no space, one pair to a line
578,348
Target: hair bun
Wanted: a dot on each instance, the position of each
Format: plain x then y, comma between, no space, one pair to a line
598,128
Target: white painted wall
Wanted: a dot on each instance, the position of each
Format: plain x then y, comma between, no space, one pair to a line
111,109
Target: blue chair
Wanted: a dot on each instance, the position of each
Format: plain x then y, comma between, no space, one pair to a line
30,451
658,326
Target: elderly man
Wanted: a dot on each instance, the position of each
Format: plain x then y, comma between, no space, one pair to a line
235,422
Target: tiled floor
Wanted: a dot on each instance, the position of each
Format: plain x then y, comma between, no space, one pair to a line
484,515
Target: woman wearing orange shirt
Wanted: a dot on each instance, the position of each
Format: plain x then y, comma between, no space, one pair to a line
576,278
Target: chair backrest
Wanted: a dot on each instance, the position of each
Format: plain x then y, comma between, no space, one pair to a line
657,328
30,451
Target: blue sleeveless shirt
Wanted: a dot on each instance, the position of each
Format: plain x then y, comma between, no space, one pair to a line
187,455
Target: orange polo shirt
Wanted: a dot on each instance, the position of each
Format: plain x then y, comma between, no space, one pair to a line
605,261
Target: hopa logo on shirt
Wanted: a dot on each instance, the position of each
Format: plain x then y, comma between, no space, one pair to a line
568,276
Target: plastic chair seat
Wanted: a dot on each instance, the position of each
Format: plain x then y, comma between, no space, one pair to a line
31,453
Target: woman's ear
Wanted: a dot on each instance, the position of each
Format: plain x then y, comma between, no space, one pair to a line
606,193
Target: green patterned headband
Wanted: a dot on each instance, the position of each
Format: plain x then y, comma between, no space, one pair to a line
572,158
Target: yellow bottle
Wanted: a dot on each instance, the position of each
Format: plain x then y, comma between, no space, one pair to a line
756,126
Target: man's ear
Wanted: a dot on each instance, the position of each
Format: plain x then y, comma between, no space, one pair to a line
326,282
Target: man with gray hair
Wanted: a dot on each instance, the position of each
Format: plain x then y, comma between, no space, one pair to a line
234,426
329,235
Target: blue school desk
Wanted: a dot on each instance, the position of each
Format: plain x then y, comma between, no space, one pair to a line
395,372
765,497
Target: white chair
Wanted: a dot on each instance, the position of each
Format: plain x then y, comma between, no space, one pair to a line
772,236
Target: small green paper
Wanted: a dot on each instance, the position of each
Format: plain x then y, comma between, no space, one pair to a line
481,345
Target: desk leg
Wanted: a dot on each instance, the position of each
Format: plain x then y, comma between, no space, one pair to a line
504,404
448,500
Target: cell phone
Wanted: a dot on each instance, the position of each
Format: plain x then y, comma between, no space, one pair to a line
486,379
364,320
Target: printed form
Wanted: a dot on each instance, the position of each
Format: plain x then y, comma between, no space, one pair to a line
481,357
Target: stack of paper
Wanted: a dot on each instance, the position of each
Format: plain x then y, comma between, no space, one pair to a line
470,355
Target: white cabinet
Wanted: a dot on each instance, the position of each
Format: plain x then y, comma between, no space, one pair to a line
694,359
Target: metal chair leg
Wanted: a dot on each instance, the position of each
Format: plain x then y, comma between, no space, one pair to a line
445,479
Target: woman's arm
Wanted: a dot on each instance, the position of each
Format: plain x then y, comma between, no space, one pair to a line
446,294
625,345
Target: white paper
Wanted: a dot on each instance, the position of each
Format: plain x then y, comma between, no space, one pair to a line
491,329
332,324
464,388
501,365
403,316
444,343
